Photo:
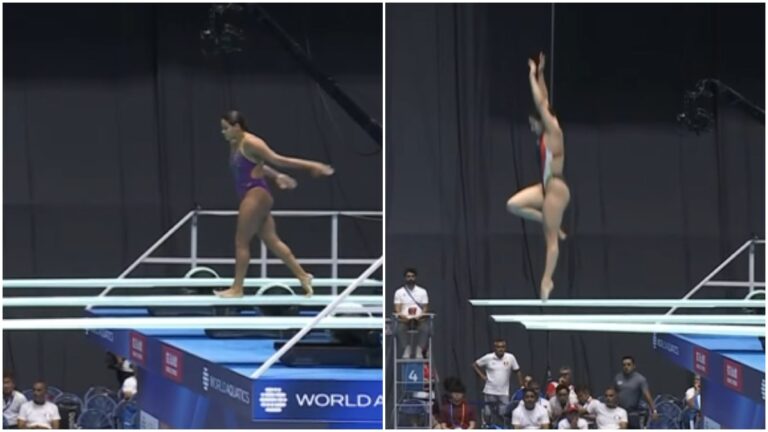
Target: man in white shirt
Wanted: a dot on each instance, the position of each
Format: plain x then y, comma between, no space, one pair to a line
693,394
693,401
529,414
543,402
130,387
12,401
572,419
610,415
411,306
558,404
495,369
39,413
587,403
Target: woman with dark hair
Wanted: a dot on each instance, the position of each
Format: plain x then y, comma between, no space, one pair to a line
248,157
545,202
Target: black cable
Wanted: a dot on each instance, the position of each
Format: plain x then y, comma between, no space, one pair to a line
162,147
526,247
121,175
461,178
368,123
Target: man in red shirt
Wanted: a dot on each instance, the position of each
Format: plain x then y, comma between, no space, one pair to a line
565,379
457,413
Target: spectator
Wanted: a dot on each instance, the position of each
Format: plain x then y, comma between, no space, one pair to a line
495,369
411,307
130,387
527,380
565,378
39,413
529,414
457,413
122,367
693,401
609,415
586,402
558,405
518,395
632,387
572,420
543,402
12,401
693,394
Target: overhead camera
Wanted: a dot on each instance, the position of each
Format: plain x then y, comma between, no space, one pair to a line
699,105
698,108
222,33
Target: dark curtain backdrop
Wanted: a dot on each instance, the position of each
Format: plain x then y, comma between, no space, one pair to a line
654,207
111,135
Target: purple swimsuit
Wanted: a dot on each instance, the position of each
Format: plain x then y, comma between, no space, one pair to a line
241,169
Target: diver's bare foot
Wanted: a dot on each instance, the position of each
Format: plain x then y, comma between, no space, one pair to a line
232,292
562,235
546,288
306,284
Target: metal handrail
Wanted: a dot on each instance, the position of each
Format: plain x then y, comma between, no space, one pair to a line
325,312
707,281
263,261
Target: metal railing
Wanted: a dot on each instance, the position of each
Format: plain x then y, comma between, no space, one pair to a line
751,283
334,261
194,259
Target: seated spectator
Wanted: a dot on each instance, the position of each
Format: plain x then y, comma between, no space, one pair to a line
530,414
12,401
518,395
586,402
609,415
572,419
411,308
565,379
39,413
457,413
558,405
543,402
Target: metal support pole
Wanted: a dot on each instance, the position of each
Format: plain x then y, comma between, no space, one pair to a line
431,373
751,267
712,274
147,253
263,260
335,251
325,312
193,241
396,395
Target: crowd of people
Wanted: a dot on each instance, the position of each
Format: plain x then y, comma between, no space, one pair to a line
20,413
42,410
626,404
561,405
